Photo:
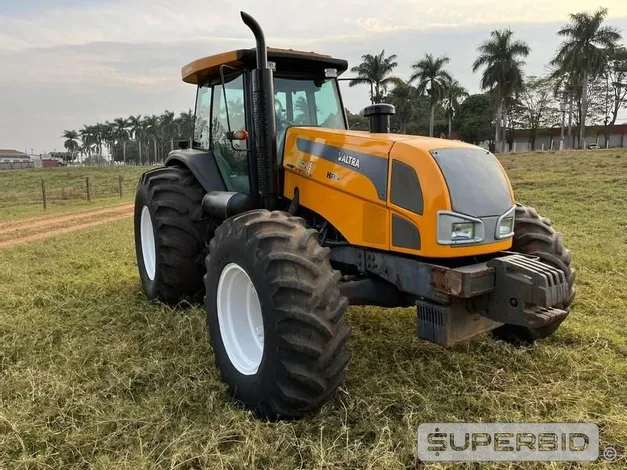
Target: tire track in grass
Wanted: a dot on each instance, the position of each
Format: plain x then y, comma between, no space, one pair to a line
44,222
60,231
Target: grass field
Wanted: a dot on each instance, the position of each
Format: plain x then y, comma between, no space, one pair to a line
21,195
94,376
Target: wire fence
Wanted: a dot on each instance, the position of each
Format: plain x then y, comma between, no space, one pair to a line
65,186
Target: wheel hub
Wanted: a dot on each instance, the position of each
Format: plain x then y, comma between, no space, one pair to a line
240,319
148,243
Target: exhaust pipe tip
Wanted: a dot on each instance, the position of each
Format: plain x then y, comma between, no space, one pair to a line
260,39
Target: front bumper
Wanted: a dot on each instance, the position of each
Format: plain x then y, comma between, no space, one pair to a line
456,304
515,289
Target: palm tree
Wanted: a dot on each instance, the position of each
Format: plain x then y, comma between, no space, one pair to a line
109,136
71,142
454,94
501,58
88,139
99,136
136,129
377,70
152,126
402,97
432,78
120,132
168,127
185,125
583,52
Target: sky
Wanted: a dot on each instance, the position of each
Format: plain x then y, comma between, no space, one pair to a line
68,63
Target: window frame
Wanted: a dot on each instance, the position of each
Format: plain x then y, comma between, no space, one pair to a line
211,88
216,86
311,100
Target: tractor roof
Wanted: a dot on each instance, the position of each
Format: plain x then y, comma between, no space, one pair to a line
286,60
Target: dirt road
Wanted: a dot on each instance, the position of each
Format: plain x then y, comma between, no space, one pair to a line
46,227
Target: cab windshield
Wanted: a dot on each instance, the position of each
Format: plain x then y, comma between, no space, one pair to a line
307,102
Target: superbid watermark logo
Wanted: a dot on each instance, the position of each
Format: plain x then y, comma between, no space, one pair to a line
488,442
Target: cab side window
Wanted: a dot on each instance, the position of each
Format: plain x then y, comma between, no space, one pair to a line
202,134
231,156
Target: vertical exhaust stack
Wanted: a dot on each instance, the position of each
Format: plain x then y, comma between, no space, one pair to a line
379,117
264,119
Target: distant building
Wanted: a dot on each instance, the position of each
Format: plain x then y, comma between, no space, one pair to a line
13,159
549,139
50,161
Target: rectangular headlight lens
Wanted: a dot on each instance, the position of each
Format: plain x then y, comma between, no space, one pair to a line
506,226
462,231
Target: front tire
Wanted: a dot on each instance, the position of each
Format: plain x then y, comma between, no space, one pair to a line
170,235
534,235
275,314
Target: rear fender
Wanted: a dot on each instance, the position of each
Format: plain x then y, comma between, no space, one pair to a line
202,165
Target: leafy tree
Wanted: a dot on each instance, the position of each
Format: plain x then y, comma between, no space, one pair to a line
357,122
432,78
616,81
403,97
537,107
501,58
583,53
376,70
475,116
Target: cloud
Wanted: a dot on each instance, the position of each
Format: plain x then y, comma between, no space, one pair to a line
85,62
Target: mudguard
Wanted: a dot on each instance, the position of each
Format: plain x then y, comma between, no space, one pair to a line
202,164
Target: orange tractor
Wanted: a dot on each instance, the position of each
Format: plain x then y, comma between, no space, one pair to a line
280,216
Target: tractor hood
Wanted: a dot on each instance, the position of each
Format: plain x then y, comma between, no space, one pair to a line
432,189
476,183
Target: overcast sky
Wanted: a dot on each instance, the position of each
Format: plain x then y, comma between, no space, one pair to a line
66,63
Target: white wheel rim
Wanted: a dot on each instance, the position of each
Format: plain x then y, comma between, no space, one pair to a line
148,243
240,319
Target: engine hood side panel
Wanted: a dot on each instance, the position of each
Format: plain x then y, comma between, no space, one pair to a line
343,176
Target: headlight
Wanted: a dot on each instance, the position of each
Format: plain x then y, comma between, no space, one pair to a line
462,231
459,229
505,225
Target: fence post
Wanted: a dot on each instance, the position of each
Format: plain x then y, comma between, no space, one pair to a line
121,182
43,195
88,188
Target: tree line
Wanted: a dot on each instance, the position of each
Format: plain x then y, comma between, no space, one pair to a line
137,139
586,80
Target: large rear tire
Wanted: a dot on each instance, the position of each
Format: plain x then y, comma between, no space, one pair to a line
275,314
534,235
170,235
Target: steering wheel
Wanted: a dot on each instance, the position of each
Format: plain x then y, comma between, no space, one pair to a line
284,124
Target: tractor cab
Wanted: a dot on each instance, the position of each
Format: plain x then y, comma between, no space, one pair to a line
306,94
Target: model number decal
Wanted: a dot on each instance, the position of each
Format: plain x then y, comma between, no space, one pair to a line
348,159
333,176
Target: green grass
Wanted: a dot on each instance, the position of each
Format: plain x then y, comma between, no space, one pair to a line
94,376
21,195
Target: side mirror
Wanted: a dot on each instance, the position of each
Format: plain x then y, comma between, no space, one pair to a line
242,134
